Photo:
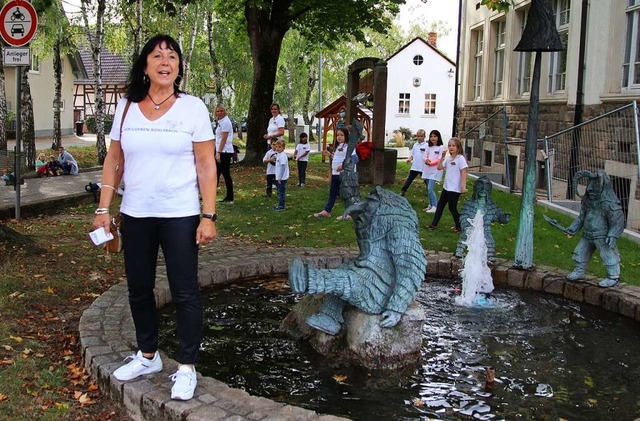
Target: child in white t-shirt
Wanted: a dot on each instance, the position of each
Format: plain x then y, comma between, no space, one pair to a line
301,155
270,160
430,173
282,174
416,159
455,183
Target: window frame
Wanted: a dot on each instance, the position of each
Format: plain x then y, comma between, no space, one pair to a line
34,66
525,62
478,55
404,103
500,27
558,60
430,104
631,66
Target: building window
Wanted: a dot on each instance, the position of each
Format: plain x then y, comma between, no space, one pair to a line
430,104
631,64
525,62
478,38
403,103
35,63
488,158
498,65
418,60
558,61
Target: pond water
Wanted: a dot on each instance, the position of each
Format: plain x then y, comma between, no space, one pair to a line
553,359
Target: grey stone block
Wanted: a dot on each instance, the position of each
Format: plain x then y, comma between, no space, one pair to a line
554,284
208,413
132,396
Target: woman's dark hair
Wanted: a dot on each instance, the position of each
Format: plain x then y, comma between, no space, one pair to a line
437,133
138,84
275,104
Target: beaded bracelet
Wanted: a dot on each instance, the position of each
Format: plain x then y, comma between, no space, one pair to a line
101,211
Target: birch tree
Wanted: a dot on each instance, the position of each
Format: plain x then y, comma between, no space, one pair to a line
27,132
95,40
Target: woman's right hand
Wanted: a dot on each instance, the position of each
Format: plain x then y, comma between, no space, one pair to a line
103,220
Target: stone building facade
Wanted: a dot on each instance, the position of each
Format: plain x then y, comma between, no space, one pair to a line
494,84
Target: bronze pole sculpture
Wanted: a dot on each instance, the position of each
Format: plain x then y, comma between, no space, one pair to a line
539,35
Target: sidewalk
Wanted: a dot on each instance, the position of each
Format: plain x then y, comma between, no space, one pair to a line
88,139
48,189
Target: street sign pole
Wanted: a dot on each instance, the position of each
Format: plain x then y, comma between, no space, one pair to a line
18,25
18,138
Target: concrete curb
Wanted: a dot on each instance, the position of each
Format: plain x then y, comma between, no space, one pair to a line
107,333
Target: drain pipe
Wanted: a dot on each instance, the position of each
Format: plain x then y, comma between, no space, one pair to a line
577,116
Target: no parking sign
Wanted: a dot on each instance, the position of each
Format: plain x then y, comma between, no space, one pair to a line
18,22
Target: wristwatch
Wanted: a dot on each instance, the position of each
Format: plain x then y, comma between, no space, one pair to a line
212,216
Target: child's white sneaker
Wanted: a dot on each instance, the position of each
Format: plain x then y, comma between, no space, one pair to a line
185,382
138,366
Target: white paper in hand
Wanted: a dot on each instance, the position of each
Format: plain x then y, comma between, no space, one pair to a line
99,236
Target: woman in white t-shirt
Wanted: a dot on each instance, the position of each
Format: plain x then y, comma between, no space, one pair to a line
455,183
158,126
275,129
224,150
430,173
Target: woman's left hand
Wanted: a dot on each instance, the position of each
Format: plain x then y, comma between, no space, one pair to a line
206,231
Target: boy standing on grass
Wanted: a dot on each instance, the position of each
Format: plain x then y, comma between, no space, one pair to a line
282,174
301,155
270,160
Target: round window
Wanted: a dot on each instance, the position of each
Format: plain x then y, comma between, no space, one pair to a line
417,60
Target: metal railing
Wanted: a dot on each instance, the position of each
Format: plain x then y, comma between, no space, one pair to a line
609,142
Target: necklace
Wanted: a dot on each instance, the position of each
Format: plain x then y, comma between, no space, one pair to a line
157,105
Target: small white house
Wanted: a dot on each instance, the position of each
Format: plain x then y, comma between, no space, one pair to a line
420,89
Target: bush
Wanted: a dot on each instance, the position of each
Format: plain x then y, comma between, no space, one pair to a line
90,121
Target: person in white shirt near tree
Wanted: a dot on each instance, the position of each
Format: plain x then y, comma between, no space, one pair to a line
275,129
158,123
224,150
301,156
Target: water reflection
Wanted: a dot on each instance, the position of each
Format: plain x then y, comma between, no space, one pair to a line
552,359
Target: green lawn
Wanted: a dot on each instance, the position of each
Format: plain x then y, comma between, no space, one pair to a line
251,217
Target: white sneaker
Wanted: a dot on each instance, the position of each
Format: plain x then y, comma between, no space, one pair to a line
138,366
185,382
431,209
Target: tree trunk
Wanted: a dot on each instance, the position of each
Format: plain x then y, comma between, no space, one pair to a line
188,53
27,133
215,64
291,124
95,42
266,32
309,117
3,107
137,33
57,94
